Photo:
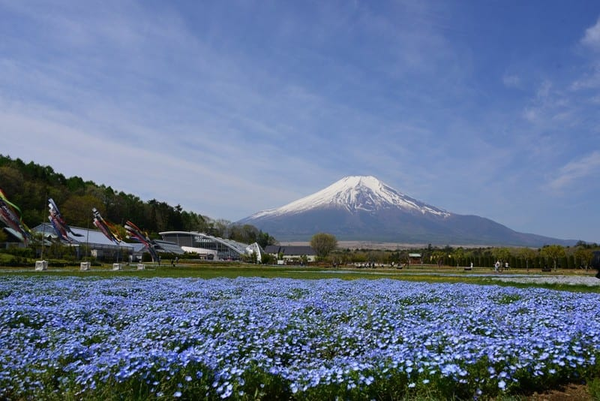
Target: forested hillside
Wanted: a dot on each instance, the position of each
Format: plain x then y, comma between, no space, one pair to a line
30,185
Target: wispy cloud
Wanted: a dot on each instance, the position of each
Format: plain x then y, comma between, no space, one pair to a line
549,105
229,114
511,81
589,80
574,172
590,49
591,38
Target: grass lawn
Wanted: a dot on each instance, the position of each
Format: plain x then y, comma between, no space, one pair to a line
207,270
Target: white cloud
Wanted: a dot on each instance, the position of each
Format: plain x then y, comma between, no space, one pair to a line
590,44
544,104
591,39
576,170
544,91
511,81
228,116
200,179
590,80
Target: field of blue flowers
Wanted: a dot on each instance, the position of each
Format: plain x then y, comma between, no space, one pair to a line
253,338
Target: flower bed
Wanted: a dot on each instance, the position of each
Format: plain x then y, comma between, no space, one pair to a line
248,338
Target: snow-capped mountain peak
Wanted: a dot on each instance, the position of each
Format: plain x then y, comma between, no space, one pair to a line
365,209
355,193
360,208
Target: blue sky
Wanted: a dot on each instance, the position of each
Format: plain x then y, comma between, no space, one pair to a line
231,107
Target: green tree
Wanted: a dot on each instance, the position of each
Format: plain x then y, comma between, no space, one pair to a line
527,254
77,210
12,180
264,239
323,244
267,259
501,254
458,256
247,233
583,256
193,222
218,228
554,252
358,257
438,256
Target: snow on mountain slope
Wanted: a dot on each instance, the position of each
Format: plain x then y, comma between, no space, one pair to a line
364,208
355,193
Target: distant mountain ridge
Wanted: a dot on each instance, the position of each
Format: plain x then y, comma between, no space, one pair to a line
364,208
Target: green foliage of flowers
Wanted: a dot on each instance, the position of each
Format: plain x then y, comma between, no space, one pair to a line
267,339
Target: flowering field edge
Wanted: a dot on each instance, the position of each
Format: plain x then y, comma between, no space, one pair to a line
258,338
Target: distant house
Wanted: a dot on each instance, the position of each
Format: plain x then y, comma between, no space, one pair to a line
415,259
291,253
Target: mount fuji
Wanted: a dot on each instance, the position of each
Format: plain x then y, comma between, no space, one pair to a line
362,208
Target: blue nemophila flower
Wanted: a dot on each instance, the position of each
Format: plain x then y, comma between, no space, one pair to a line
309,333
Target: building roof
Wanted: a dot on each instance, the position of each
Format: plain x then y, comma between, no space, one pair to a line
289,250
236,246
96,237
199,251
88,236
169,247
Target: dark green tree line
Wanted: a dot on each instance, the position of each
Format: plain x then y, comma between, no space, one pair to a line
29,186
